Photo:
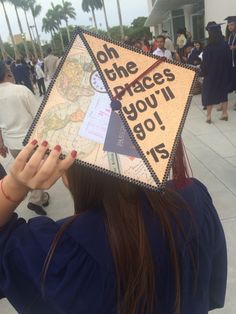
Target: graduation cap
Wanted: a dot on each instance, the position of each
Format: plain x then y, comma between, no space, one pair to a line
230,19
150,97
214,27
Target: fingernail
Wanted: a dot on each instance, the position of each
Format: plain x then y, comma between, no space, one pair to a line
34,142
57,148
74,153
45,143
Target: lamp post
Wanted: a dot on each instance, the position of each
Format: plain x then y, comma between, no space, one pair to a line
120,19
23,36
32,30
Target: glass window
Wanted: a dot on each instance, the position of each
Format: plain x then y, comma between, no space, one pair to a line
198,27
178,22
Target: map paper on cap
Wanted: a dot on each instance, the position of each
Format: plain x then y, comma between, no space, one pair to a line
154,94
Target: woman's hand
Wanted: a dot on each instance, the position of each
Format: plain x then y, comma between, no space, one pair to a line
33,169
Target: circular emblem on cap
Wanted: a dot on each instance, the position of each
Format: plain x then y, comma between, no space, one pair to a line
97,83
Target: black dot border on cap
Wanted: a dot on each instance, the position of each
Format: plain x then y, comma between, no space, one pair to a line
159,185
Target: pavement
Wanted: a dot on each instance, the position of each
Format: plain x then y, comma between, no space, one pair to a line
212,153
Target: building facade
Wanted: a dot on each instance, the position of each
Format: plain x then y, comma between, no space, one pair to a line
18,39
170,15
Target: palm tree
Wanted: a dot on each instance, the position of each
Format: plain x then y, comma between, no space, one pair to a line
92,5
49,26
35,11
105,15
67,12
17,4
56,15
9,28
2,49
25,7
120,19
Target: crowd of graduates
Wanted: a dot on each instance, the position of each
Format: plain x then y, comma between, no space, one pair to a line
33,73
184,50
215,59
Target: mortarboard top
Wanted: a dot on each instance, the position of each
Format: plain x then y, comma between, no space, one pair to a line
230,19
151,97
213,26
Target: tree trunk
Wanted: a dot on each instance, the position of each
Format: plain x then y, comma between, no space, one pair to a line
10,30
38,38
31,38
67,29
61,38
120,19
94,19
53,41
105,15
4,55
22,33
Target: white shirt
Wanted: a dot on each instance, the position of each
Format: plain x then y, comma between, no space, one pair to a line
201,56
169,45
163,53
40,63
181,41
39,72
50,65
18,107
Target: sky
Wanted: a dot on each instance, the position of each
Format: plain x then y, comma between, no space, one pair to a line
129,8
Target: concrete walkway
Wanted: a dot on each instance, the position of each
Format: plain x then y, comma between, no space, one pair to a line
212,153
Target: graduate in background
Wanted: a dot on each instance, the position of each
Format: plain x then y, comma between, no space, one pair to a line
161,51
188,54
231,20
193,57
215,69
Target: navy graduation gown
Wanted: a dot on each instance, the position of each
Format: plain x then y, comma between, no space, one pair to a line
194,56
216,70
82,278
232,42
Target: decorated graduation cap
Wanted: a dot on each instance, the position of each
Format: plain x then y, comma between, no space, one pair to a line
231,19
122,109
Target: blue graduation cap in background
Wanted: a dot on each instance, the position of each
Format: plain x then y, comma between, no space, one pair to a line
230,19
213,26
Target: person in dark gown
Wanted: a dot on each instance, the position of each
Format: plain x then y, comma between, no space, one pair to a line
216,69
193,57
126,249
21,73
231,20
27,75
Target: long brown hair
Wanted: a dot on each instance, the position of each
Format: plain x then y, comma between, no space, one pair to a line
132,255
